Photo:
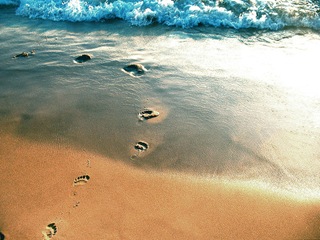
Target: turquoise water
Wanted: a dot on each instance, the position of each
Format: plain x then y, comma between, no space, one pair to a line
233,103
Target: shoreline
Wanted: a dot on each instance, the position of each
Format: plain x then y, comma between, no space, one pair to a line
60,121
46,184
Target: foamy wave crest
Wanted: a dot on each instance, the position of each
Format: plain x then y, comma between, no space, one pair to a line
262,14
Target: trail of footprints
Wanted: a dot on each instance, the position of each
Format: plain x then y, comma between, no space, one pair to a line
51,229
135,70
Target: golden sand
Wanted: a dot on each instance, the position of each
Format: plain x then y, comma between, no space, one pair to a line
43,184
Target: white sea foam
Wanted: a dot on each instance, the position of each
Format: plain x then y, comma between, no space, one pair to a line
261,14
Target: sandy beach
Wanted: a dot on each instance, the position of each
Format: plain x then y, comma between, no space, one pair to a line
47,184
232,150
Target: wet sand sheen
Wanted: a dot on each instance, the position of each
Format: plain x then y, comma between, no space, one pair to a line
117,201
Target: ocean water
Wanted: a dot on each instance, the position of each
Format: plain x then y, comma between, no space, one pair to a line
236,84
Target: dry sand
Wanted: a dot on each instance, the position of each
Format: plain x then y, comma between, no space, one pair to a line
121,202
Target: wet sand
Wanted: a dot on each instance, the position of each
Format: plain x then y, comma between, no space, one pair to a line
43,184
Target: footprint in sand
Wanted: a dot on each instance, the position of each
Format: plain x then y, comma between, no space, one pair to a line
50,231
141,146
81,180
135,69
83,58
24,54
148,114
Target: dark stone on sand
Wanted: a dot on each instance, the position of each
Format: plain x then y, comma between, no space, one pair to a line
141,146
2,237
83,58
135,68
148,114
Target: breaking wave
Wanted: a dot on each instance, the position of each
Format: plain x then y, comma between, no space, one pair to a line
259,14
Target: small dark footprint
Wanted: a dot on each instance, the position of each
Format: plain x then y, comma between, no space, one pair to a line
141,146
148,114
50,231
81,180
24,54
135,69
82,58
